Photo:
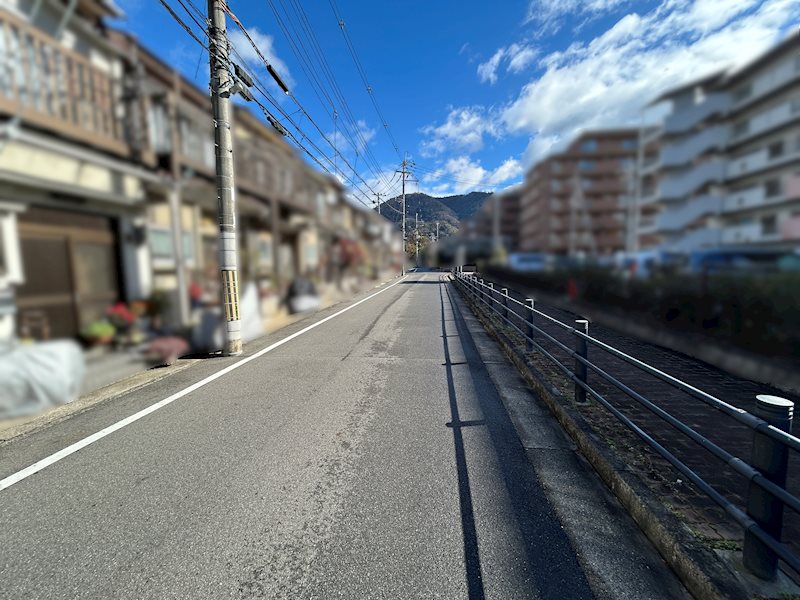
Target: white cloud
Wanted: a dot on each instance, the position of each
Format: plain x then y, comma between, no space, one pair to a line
488,71
549,15
606,81
348,140
516,58
265,44
464,129
463,174
520,56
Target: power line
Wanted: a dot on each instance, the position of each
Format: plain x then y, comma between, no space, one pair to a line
351,128
362,73
299,105
267,95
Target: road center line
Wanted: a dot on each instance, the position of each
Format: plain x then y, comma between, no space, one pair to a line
71,449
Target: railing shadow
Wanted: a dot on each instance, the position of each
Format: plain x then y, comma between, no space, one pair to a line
552,566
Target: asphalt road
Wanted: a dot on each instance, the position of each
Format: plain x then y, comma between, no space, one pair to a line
369,457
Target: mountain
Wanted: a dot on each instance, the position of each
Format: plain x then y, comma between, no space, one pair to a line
449,211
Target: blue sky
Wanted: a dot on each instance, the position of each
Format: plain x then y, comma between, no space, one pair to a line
477,91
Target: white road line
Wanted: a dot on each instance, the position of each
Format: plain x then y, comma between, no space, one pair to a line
54,458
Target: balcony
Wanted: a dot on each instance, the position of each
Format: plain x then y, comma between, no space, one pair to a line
681,185
769,81
647,225
684,120
768,120
52,87
685,151
744,234
756,196
678,218
756,161
696,239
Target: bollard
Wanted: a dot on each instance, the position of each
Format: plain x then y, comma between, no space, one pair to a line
581,370
771,458
529,345
504,291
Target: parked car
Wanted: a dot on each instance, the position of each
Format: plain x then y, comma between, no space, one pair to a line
530,262
736,261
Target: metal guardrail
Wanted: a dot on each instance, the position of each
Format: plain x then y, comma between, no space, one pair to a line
766,472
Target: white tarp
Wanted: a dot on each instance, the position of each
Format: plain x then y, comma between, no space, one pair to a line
38,376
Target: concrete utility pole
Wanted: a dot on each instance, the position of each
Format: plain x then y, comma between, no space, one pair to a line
403,174
496,243
437,231
221,83
378,201
416,234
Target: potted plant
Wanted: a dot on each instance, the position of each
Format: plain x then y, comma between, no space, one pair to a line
98,333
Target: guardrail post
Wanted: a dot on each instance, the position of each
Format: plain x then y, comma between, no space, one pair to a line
771,458
480,291
504,291
490,301
529,343
581,371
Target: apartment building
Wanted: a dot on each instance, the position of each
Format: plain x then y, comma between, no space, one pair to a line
499,213
722,169
575,202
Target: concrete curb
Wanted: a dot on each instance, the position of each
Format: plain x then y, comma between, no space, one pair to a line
25,426
699,568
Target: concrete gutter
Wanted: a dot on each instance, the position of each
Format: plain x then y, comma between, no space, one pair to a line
699,568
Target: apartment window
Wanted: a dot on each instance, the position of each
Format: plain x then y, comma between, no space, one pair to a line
741,128
769,225
742,92
797,63
775,149
795,106
589,146
586,165
772,188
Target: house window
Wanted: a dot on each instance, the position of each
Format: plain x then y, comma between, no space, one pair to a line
741,128
160,243
630,144
772,188
589,146
586,165
769,225
775,149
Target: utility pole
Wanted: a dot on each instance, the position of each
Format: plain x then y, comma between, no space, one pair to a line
378,201
496,222
437,231
221,82
416,235
403,174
